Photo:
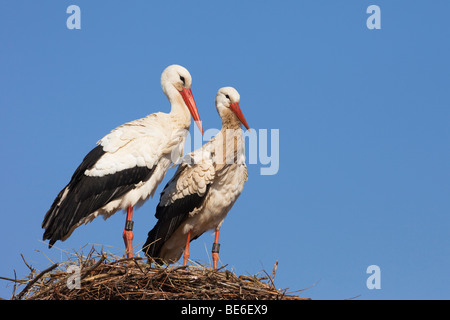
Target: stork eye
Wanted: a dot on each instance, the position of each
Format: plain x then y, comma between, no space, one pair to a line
227,96
182,79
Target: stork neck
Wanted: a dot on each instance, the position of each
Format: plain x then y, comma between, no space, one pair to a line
179,110
230,121
229,147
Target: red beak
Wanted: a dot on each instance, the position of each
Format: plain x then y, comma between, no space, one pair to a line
237,111
190,103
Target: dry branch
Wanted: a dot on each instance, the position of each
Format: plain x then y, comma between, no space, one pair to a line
31,282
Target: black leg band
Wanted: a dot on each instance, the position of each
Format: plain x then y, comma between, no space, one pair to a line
216,247
129,225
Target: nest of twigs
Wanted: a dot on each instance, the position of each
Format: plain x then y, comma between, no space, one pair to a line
103,276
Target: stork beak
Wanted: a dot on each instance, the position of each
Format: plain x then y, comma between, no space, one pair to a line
237,111
190,103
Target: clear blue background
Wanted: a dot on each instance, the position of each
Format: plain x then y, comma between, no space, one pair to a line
363,117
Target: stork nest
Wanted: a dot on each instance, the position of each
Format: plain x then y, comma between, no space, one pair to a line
103,276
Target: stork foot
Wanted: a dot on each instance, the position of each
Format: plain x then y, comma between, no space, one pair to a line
215,249
128,233
128,240
186,250
215,254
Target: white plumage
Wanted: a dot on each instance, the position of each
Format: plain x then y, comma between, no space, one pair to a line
146,142
127,165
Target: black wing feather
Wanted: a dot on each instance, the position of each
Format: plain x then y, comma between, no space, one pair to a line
169,219
86,194
89,160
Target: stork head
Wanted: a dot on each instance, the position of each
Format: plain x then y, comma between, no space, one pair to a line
176,80
227,101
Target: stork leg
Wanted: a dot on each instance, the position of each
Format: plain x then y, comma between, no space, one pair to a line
128,233
186,250
215,249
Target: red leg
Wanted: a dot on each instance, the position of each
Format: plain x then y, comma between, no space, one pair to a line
215,250
128,233
186,250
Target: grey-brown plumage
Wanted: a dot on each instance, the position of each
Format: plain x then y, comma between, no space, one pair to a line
204,188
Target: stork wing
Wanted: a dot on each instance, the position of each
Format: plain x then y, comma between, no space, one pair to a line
137,143
181,197
123,159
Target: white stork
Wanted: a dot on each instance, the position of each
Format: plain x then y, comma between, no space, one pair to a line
127,165
204,188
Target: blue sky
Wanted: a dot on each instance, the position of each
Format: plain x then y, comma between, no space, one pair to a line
363,118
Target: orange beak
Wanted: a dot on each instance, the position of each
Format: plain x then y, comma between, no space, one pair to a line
237,111
190,103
